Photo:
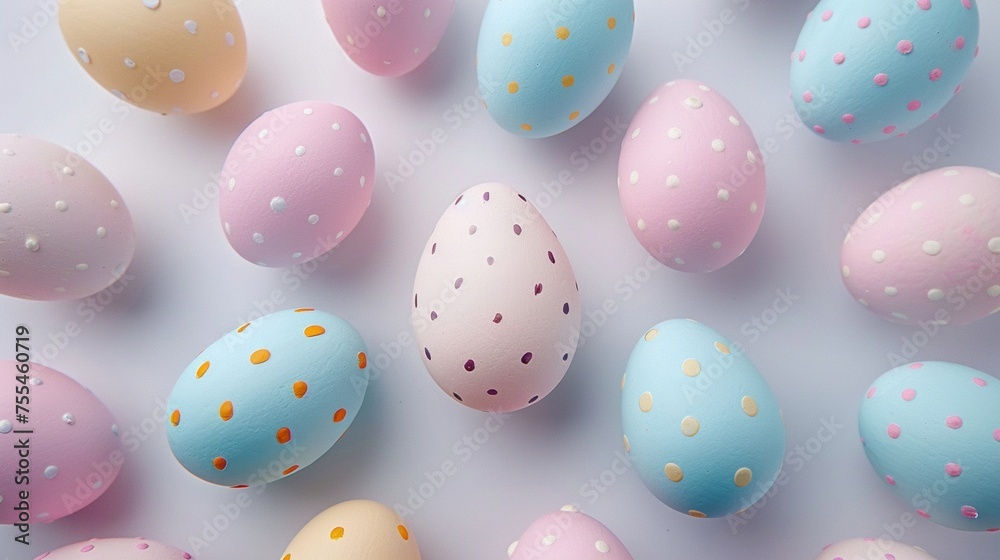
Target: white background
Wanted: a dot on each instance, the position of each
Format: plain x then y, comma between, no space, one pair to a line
190,287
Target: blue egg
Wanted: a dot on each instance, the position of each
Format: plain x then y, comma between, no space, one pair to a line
702,428
268,398
932,433
866,71
545,65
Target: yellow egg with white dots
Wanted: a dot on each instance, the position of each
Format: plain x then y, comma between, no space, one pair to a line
354,530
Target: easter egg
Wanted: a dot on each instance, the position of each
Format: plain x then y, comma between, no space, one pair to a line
568,534
388,38
865,549
691,178
928,250
174,56
296,182
268,398
354,530
496,308
868,71
702,428
545,65
72,441
931,431
117,549
65,232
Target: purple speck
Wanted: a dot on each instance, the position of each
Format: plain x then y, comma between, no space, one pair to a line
538,289
486,196
434,315
497,318
459,199
491,392
521,196
526,358
457,397
470,365
533,399
566,308
489,261
517,229
565,357
434,248
458,283
427,353
552,258
415,300
472,230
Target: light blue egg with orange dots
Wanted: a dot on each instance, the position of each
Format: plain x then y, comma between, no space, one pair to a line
931,431
545,65
269,398
865,71
702,428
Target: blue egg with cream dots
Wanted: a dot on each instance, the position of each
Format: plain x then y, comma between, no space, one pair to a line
702,428
866,71
545,65
931,431
269,398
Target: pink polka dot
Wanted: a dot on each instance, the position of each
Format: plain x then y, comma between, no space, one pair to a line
848,118
881,79
890,480
993,530
819,129
807,96
871,392
890,556
923,514
996,434
934,116
913,105
839,58
855,141
87,548
802,55
970,512
954,422
953,469
901,134
975,54
893,431
864,22
889,129
905,46
917,365
958,88
827,15
967,4
979,381
960,42
935,74
909,394
924,4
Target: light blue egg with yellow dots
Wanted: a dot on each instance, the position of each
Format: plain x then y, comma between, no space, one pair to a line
545,65
702,428
268,398
931,431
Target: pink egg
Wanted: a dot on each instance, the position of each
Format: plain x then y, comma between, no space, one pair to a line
388,37
568,534
879,549
117,549
927,252
691,178
65,232
296,183
74,450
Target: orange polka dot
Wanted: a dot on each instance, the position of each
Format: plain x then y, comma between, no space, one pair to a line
506,39
612,23
290,470
513,87
611,69
568,80
337,533
526,127
239,486
219,463
696,513
284,435
314,330
562,33
300,388
202,369
260,356
286,557
362,360
226,411
403,532
574,115
243,327
175,417
304,309
340,415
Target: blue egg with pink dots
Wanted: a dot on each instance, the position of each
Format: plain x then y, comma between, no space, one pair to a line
932,433
866,71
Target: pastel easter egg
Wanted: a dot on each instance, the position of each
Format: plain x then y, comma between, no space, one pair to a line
691,178
568,534
72,441
545,65
391,37
928,250
65,232
868,71
931,431
117,549
868,548
702,428
296,182
269,398
354,530
172,57
496,308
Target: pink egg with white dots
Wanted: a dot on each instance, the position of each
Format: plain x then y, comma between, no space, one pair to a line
65,232
116,549
388,37
928,250
72,443
691,178
568,534
872,549
296,182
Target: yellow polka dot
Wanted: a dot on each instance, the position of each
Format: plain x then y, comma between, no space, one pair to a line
691,367
337,533
651,334
283,436
749,406
219,463
226,411
339,415
568,80
202,369
562,32
243,327
175,417
611,69
513,87
612,23
673,472
628,448
574,115
304,309
526,127
260,356
722,348
290,470
743,477
690,426
506,39
314,330
646,402
623,380
299,388
362,360
403,532
696,513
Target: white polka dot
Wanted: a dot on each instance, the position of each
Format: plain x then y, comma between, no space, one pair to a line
917,205
718,145
61,290
511,549
4,274
338,171
296,255
654,100
35,381
62,206
932,248
951,173
68,171
634,177
262,134
570,508
6,427
68,419
336,126
5,208
641,225
118,94
230,40
935,294
906,185
102,232
693,102
734,121
50,472
307,111
900,316
129,63
350,40
364,138
723,195
993,291
878,255
176,75
635,133
97,484
31,244
278,204
258,238
548,540
675,133
313,219
994,245
967,199
673,181
891,291
340,234
863,302
82,267
679,260
751,157
674,225
427,13
8,152
362,181
846,272
717,245
191,26
753,207
151,4
114,430
602,547
300,151
232,183
229,230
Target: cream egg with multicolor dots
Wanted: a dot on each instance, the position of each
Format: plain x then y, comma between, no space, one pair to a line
927,252
354,530
702,427
545,65
691,178
268,398
117,549
65,232
568,534
62,445
296,183
931,431
872,549
172,57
